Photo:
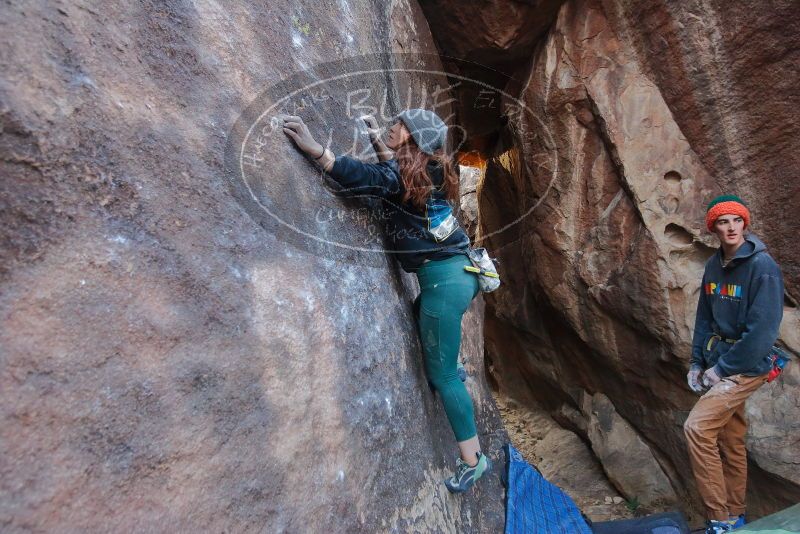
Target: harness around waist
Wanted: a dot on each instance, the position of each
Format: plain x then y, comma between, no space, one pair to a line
719,338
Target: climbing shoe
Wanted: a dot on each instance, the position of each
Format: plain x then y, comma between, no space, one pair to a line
736,522
466,476
462,371
718,527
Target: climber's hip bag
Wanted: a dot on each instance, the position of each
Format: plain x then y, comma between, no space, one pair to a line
779,358
483,266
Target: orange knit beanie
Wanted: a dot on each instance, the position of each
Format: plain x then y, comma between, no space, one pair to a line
726,205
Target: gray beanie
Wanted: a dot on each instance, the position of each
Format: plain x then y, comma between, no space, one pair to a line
427,129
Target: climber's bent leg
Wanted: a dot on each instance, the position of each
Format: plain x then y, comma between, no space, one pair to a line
447,291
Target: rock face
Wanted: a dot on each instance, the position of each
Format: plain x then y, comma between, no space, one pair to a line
626,458
168,360
488,42
468,180
637,113
775,430
722,68
562,457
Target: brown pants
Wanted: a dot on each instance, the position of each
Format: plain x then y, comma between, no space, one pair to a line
715,433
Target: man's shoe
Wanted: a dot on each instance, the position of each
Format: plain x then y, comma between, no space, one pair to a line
718,527
466,476
462,371
736,522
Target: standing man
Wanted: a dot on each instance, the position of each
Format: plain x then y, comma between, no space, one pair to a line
738,316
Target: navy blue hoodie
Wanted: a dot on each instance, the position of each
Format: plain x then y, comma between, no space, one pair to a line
413,235
742,301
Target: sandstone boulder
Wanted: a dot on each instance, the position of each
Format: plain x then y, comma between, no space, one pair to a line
487,42
562,457
722,67
469,198
626,458
605,177
171,358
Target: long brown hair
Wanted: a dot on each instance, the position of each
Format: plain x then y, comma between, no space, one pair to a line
413,164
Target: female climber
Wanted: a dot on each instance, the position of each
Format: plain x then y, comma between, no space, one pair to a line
419,184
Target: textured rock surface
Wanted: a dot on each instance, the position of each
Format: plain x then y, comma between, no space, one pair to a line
166,363
774,433
626,458
503,33
488,42
613,170
468,181
562,457
724,68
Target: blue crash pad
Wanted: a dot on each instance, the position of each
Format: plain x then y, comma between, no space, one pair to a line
535,505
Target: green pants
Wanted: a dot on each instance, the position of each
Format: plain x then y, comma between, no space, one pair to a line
446,292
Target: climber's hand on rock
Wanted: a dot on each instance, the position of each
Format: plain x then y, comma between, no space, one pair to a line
693,379
710,378
373,129
294,127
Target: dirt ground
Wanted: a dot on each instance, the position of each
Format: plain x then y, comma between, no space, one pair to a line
563,459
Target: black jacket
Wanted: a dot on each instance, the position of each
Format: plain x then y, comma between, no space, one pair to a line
413,235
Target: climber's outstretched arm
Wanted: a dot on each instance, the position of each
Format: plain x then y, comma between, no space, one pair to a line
356,177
